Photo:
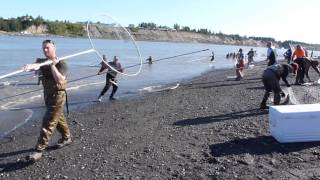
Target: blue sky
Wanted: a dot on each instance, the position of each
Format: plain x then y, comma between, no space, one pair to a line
281,19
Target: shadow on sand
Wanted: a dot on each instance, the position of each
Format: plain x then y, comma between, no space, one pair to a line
257,146
18,164
224,117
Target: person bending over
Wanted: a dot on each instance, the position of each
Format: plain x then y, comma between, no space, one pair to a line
271,81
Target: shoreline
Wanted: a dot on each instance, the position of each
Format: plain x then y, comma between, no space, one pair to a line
210,127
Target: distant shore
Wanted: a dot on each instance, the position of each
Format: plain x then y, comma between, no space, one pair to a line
159,36
166,36
4,33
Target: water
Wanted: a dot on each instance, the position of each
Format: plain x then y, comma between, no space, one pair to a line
21,92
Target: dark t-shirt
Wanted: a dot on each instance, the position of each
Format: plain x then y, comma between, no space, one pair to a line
288,54
116,66
281,71
49,82
250,54
271,57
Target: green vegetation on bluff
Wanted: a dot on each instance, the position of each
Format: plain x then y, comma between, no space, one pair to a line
66,28
19,24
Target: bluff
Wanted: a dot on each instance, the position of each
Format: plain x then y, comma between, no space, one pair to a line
166,35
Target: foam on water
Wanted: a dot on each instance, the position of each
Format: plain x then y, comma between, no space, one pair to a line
159,88
8,83
150,88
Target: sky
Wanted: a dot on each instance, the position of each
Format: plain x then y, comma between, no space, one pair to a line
280,19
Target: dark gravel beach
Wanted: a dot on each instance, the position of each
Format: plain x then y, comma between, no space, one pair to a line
208,128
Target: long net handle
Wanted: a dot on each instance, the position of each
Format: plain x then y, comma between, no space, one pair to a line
49,62
11,74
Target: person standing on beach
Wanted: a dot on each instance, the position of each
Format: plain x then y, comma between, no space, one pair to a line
271,81
298,57
271,55
54,89
287,55
250,56
239,65
110,77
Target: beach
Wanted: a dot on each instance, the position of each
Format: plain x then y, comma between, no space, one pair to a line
210,127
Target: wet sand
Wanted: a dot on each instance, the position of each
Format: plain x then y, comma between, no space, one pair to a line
210,127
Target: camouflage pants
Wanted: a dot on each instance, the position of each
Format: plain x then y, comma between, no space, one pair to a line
53,119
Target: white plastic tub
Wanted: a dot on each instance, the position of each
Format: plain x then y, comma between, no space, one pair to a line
295,123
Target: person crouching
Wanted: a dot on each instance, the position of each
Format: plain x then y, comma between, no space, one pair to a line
271,81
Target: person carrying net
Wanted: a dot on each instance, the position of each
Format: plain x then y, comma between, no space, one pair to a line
54,83
110,77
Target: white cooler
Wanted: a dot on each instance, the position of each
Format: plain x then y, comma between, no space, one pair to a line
295,123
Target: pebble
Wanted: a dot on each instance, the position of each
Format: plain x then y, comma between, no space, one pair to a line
247,160
273,161
316,153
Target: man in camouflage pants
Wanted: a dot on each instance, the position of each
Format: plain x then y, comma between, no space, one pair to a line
54,85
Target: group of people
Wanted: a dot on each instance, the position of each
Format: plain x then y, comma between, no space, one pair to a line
54,81
150,59
250,55
298,56
240,63
232,55
296,64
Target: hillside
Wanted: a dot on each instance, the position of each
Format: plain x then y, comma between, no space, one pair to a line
180,36
142,34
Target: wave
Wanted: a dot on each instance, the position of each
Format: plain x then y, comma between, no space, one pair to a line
8,83
159,88
150,88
